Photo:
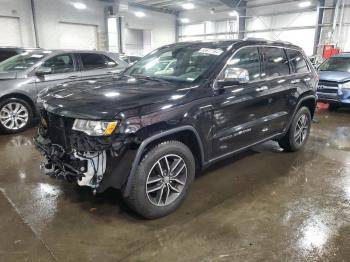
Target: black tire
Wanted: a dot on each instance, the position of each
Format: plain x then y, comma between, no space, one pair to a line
22,125
290,141
333,107
141,201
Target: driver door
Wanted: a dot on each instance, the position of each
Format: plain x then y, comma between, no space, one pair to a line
60,68
239,108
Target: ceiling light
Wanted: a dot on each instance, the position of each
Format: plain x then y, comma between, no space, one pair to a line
305,4
184,20
233,13
188,6
79,6
212,11
140,14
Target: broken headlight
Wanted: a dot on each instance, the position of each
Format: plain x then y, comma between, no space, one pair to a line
95,128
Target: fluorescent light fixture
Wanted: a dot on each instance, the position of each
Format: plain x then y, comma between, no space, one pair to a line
140,14
233,13
188,6
305,4
80,6
184,20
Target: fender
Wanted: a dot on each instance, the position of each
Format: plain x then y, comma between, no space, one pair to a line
147,141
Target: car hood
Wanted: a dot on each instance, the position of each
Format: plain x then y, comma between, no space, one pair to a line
104,99
8,75
334,76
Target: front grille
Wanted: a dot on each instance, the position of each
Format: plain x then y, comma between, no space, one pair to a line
327,87
58,129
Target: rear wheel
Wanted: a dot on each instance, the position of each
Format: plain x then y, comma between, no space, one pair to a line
15,115
162,180
299,131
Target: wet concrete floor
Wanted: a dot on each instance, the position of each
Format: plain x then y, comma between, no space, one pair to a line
262,205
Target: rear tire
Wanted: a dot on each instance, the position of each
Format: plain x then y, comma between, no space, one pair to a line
155,194
16,115
298,132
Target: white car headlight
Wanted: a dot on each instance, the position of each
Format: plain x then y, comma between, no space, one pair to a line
95,128
346,85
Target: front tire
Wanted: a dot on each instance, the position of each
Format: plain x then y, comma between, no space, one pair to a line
16,115
298,132
162,180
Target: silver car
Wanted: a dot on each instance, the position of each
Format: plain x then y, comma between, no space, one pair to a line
23,76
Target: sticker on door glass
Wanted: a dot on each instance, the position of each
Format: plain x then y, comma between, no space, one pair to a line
210,51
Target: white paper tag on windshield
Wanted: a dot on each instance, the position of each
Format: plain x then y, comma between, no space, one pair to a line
210,51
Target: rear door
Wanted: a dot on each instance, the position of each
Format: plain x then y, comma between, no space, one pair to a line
279,89
63,69
94,65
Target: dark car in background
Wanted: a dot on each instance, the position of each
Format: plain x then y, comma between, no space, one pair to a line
7,52
179,109
130,59
334,85
23,76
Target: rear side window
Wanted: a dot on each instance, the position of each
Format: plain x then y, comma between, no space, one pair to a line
6,54
247,58
275,62
297,61
93,61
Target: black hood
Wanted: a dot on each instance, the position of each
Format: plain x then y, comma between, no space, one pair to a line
104,99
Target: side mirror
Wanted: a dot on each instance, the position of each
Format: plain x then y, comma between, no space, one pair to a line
233,75
43,71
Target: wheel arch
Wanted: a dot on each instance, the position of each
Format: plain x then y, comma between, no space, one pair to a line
185,134
23,97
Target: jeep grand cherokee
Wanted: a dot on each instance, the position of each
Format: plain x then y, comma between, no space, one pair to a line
176,111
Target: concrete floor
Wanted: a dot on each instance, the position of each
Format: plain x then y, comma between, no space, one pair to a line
263,205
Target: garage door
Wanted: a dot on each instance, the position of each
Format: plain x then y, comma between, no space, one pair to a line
78,36
10,31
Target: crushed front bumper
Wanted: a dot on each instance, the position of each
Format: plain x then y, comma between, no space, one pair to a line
87,169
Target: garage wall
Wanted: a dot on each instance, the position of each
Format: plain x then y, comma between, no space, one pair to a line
162,27
16,10
298,28
54,17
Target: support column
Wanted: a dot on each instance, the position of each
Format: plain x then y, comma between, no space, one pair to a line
32,5
320,11
242,19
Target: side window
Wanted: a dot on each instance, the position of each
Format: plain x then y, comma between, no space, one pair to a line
247,58
297,61
93,61
110,62
275,62
60,64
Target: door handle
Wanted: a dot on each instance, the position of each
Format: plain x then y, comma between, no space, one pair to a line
72,77
260,89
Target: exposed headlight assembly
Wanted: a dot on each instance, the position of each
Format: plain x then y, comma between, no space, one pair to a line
95,128
346,85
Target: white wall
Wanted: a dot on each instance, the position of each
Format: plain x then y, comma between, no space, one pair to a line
161,25
21,10
301,37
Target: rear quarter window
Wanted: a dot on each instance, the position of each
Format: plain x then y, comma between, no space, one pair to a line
297,62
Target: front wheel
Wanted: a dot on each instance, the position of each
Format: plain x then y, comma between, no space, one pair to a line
162,180
15,115
299,131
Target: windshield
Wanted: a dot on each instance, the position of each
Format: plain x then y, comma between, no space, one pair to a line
341,64
22,61
177,63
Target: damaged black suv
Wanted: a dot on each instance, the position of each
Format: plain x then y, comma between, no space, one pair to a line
176,111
